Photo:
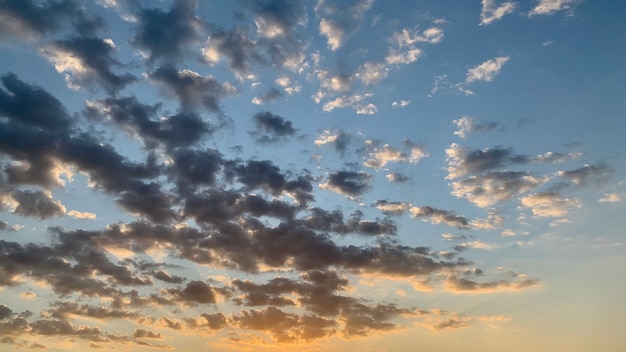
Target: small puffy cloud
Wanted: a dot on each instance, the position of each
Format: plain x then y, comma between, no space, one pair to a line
494,220
465,285
354,101
372,72
81,215
392,208
400,104
408,37
267,96
271,128
396,177
548,7
349,183
340,20
338,139
439,216
467,125
486,71
491,12
613,197
379,157
366,109
191,88
476,245
550,204
463,161
494,187
508,233
406,56
289,87
597,174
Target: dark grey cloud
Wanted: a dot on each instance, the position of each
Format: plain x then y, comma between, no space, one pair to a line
29,18
463,161
53,327
148,200
235,45
164,276
278,41
38,131
95,56
37,204
459,284
195,292
334,222
349,183
5,312
192,89
64,310
145,334
596,174
141,121
271,128
165,35
439,216
397,177
32,106
267,96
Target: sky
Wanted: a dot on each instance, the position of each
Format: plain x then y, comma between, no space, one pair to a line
297,175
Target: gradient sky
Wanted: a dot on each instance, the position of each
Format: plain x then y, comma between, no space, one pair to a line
312,175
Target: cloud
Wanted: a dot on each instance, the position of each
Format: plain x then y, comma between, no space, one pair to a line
354,101
597,174
271,128
195,292
439,216
32,106
140,121
548,7
467,125
340,140
550,204
400,104
463,161
278,42
397,177
164,35
192,89
494,187
379,157
612,197
37,204
407,37
87,61
339,21
427,213
476,245
464,285
267,97
29,19
490,12
486,71
81,215
349,183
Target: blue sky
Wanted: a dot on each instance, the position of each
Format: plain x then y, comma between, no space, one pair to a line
312,175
